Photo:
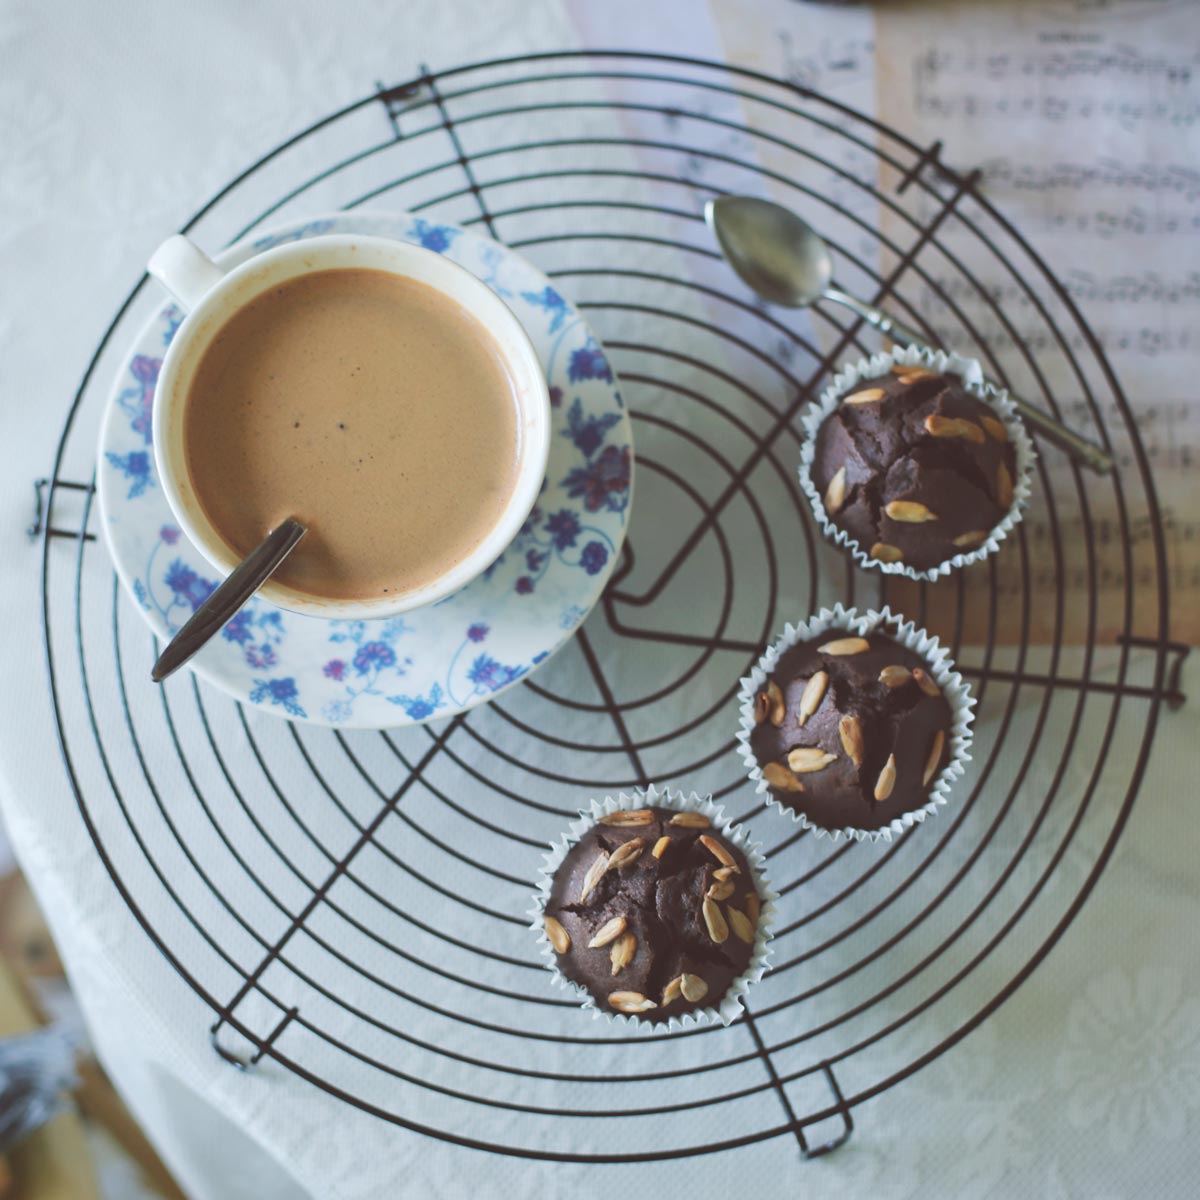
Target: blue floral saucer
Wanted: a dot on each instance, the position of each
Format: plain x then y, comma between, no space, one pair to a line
435,661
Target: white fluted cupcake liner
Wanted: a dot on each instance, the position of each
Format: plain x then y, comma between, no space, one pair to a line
955,690
731,1002
975,383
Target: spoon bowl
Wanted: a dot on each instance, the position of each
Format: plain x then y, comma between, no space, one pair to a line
772,250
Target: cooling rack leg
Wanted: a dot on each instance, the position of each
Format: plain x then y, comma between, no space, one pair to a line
398,100
42,505
236,1060
1175,697
776,1082
843,1110
35,526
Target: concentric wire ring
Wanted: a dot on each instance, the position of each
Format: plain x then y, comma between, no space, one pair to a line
352,907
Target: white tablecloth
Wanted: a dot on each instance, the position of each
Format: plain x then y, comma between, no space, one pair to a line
115,121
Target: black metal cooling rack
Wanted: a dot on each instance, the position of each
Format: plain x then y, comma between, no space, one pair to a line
389,964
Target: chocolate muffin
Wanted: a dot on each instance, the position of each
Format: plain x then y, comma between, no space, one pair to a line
654,912
914,467
850,731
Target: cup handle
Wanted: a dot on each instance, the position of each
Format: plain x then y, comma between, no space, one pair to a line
184,270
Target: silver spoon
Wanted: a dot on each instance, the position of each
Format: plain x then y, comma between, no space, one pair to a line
785,260
243,581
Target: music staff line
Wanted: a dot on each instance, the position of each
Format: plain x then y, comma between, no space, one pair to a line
1073,64
1176,179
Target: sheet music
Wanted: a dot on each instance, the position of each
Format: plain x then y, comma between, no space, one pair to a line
1084,118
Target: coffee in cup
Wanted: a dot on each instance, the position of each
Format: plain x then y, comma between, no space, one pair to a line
372,408
375,390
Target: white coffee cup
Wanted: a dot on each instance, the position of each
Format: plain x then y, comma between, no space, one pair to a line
211,295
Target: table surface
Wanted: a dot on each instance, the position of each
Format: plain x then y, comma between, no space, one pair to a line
1085,1083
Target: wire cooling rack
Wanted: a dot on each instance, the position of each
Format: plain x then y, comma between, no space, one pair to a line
353,907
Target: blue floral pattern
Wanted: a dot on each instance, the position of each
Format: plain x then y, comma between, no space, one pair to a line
435,661
421,708
136,400
589,362
485,674
438,238
593,558
563,528
367,664
572,616
603,482
136,467
491,265
588,433
546,540
258,630
490,676
278,691
555,306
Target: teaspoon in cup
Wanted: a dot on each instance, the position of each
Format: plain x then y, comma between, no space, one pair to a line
243,581
782,258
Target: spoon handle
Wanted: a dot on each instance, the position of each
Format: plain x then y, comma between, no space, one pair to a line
245,579
1088,453
881,320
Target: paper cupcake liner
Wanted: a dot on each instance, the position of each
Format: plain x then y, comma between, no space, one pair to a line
956,692
994,397
731,1003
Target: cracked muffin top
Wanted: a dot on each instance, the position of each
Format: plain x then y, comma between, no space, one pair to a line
914,467
654,912
851,731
